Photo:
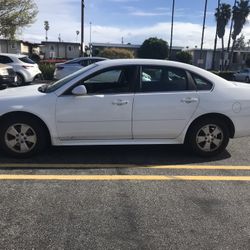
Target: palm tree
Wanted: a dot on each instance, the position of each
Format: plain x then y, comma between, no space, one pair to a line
215,42
77,34
240,13
230,31
203,28
46,27
222,16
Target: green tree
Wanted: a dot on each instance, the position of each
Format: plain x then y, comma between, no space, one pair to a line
240,42
184,56
153,48
115,53
222,16
15,14
240,13
46,27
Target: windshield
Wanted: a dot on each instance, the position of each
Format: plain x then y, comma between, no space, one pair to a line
58,84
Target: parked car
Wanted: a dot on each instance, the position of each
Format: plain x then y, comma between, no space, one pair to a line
25,68
7,76
242,75
176,103
71,66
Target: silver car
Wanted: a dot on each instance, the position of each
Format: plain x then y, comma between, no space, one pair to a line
69,67
242,75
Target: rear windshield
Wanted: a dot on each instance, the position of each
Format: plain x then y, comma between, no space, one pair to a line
26,60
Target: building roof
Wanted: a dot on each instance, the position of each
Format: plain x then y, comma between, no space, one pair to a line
57,42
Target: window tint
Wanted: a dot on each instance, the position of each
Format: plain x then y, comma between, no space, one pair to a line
201,83
26,60
5,59
156,79
118,80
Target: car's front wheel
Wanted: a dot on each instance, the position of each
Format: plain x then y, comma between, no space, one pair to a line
22,137
208,137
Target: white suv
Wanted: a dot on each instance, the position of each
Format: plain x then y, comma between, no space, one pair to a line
25,68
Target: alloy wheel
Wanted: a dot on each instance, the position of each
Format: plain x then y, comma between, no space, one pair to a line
209,138
20,138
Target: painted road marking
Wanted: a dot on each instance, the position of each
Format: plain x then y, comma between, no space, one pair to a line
122,178
57,165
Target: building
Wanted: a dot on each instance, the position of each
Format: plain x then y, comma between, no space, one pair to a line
59,50
19,47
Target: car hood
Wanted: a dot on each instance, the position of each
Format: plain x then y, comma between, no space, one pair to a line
19,92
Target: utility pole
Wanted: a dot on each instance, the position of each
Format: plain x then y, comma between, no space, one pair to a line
90,39
172,28
82,26
203,30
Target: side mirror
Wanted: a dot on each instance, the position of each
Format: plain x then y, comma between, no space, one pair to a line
79,90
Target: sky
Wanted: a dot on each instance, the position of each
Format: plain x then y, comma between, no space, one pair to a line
132,20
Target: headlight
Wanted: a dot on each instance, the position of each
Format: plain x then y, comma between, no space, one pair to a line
4,72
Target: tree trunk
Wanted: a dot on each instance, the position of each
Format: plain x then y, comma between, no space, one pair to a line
231,55
222,54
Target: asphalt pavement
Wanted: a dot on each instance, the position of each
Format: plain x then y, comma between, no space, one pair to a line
126,197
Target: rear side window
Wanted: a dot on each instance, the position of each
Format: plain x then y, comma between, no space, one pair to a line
5,59
201,83
163,79
26,60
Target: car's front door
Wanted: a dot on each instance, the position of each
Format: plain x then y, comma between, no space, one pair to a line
163,104
104,112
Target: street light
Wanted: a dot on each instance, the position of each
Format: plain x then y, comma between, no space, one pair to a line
90,39
82,26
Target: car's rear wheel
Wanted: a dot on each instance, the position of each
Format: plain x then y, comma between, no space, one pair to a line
208,137
22,137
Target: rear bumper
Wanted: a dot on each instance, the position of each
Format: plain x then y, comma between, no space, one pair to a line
242,127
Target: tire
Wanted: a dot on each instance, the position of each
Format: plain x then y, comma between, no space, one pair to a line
208,137
20,81
247,79
22,136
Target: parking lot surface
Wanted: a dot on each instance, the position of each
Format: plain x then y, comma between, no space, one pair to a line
126,197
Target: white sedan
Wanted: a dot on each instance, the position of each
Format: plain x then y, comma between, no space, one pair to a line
112,103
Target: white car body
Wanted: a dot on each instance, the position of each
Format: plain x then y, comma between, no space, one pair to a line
130,118
71,66
27,69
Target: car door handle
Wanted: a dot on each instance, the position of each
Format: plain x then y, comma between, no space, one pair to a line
120,102
189,100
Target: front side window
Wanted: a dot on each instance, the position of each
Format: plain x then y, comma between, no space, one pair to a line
163,79
115,80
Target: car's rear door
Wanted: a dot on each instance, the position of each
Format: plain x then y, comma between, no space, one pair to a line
164,103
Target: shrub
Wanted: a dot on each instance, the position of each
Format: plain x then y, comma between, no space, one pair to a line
114,53
228,75
47,70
